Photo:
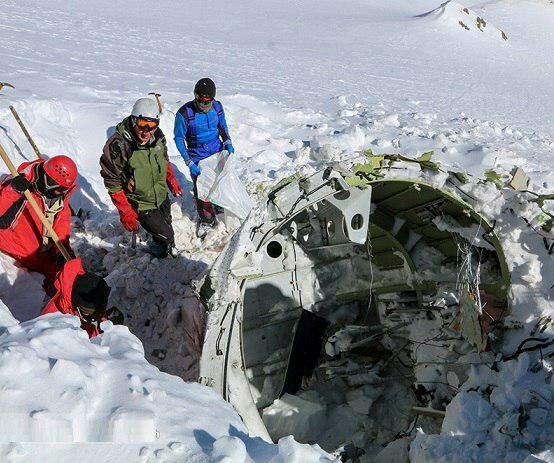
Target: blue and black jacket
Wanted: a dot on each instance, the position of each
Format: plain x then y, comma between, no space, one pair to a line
198,135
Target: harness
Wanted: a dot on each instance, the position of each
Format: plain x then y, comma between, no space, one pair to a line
51,209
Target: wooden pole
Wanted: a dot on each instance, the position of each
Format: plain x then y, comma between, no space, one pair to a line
157,95
36,207
35,147
25,131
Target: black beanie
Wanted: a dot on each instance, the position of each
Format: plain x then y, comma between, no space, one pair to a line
90,290
205,86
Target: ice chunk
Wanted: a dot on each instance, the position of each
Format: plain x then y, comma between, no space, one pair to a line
276,417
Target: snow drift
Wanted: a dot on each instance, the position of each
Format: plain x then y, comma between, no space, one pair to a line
59,387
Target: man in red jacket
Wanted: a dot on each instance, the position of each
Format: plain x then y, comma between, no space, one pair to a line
82,294
22,234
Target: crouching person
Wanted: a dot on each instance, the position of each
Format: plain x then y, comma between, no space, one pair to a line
137,173
82,294
22,235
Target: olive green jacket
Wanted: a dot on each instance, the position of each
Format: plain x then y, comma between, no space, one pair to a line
140,171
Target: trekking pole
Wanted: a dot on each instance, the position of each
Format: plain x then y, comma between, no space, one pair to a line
34,205
25,131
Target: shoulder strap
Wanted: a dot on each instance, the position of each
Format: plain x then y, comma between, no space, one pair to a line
189,114
218,108
51,210
9,217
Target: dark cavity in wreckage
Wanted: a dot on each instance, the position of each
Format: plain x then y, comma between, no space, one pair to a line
340,310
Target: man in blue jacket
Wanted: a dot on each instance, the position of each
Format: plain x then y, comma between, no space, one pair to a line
200,132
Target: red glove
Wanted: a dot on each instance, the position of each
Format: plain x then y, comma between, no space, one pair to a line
172,182
127,215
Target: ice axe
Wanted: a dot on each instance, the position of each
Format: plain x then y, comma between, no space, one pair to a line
157,95
36,208
34,146
30,139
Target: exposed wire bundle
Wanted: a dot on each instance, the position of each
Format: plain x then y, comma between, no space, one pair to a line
468,288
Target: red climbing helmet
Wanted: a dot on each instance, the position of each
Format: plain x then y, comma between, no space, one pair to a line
62,170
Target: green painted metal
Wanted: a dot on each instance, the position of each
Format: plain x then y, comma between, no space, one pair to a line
408,199
397,246
454,206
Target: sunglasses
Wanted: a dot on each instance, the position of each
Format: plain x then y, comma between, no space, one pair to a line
146,125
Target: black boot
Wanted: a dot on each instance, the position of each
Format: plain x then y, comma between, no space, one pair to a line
205,225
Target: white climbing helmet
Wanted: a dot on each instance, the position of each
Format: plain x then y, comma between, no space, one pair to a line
145,108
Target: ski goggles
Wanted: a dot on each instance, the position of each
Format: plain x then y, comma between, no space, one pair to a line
147,125
204,99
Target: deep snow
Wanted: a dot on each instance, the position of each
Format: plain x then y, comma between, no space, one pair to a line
57,387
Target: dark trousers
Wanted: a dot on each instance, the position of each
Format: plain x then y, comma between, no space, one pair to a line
205,208
157,222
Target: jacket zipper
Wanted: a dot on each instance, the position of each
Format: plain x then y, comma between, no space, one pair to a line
152,172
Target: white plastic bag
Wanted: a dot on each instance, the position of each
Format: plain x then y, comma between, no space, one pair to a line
220,184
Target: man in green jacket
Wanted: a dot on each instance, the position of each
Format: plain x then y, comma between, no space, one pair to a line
137,173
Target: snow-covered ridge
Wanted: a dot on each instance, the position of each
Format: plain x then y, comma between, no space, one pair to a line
452,14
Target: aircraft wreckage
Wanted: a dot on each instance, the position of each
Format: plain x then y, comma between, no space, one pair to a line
385,281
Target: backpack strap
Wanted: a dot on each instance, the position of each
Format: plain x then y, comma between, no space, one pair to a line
218,108
220,127
189,114
51,210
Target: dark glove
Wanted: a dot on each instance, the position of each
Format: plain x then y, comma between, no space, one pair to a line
115,316
59,259
127,215
20,183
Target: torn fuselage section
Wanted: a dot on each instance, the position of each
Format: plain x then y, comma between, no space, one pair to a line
335,300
